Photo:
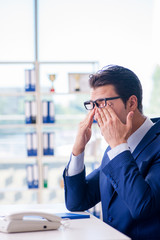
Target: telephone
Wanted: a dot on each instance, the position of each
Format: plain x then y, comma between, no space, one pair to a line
29,221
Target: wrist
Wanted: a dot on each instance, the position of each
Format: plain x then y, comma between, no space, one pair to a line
76,151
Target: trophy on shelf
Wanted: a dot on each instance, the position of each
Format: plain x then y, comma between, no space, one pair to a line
52,78
77,82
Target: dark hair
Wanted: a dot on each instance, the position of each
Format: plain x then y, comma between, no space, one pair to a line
125,82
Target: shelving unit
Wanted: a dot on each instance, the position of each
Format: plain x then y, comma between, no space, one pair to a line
15,162
38,95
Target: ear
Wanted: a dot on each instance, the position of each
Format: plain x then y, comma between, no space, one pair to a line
132,103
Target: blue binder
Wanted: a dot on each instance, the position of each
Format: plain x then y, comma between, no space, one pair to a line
73,215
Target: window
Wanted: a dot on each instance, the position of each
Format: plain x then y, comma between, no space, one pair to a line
67,36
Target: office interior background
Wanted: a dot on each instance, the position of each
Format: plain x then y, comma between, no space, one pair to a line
67,40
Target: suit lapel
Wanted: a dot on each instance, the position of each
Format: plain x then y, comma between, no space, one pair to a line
148,138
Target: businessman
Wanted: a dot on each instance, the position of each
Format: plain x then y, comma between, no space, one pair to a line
127,183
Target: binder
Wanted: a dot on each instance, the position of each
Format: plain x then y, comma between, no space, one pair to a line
29,176
48,112
30,80
29,144
45,143
48,144
30,112
35,176
34,144
28,119
51,112
45,111
45,175
51,144
33,80
27,80
32,176
33,111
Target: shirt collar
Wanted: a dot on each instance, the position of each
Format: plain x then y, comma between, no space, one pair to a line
137,136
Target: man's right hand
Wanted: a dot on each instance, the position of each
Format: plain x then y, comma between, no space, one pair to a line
84,134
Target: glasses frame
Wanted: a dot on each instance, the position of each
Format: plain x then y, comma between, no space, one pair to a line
100,99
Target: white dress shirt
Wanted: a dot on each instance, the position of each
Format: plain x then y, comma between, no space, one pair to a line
76,164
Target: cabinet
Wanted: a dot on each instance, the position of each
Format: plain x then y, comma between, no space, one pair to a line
69,111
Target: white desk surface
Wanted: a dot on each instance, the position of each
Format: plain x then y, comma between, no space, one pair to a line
77,229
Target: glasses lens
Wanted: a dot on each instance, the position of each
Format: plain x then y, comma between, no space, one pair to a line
101,103
89,105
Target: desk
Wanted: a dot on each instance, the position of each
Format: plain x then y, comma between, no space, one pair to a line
78,229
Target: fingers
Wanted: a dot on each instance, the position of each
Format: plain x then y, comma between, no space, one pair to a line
87,122
110,110
102,115
90,117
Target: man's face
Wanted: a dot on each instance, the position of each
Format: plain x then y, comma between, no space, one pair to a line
108,91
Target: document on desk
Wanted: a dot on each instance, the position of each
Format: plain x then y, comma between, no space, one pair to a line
73,215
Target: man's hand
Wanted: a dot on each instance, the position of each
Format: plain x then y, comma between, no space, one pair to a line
112,129
84,134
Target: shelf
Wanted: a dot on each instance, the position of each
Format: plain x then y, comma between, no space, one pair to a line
11,126
63,93
24,189
24,94
22,160
45,159
17,94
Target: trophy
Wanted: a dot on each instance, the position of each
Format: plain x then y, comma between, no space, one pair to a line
52,78
77,82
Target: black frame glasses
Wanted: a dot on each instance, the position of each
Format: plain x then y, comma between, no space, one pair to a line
89,105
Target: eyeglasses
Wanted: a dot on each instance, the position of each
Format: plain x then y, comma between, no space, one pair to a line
100,103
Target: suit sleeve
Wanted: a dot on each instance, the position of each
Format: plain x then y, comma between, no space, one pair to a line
81,192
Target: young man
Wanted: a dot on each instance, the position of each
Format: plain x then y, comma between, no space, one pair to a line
128,180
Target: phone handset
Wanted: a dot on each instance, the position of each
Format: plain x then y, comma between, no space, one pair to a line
28,221
21,215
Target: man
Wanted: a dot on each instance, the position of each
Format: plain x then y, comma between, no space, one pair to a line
128,180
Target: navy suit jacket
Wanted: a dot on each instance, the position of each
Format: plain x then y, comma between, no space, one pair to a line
128,188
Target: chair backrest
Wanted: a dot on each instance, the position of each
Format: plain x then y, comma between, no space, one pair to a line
155,119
